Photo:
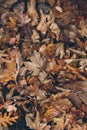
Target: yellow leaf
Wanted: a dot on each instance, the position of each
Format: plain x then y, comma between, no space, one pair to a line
12,23
12,20
50,113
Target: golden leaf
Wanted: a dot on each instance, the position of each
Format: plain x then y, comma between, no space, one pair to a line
12,23
7,119
50,113
12,20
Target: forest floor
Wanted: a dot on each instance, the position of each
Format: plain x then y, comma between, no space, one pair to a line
43,65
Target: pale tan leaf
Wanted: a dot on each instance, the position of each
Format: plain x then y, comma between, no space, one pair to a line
60,50
36,64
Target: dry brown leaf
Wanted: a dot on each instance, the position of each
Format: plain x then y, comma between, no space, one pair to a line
79,127
32,12
76,71
35,91
8,73
50,49
55,31
1,102
45,22
60,50
81,44
35,37
54,106
83,27
34,122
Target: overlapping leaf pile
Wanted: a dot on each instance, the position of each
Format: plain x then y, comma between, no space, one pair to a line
43,65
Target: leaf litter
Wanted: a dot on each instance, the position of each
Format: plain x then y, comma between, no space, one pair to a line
43,65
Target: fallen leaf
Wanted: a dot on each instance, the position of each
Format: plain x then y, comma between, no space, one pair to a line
60,50
36,64
8,119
